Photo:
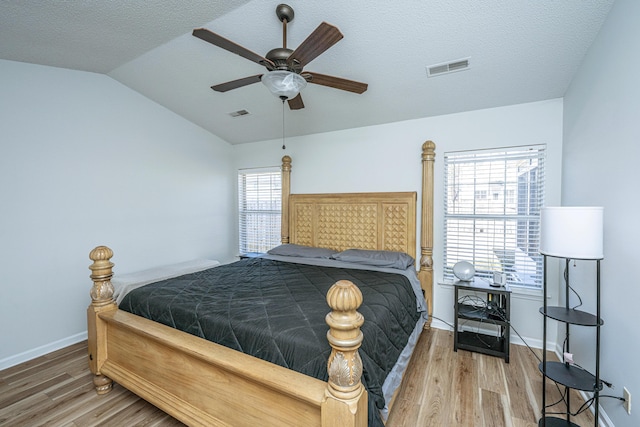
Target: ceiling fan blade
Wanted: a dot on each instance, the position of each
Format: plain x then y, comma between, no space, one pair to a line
296,103
216,40
321,39
234,84
335,82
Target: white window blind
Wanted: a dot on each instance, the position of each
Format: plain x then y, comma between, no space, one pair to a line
259,198
492,212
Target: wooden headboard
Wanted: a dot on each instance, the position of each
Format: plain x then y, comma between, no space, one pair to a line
382,221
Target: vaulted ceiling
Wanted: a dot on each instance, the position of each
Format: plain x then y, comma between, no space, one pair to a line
518,51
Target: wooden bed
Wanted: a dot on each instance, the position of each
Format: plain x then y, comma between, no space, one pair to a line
203,383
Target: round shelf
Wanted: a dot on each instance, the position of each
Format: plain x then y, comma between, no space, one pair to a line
555,422
570,376
569,315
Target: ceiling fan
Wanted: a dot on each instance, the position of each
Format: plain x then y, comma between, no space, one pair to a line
285,75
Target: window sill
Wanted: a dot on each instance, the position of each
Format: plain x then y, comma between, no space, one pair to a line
520,292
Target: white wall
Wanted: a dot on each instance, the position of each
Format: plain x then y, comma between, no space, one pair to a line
388,158
86,161
601,167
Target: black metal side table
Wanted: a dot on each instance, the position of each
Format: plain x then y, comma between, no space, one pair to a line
494,309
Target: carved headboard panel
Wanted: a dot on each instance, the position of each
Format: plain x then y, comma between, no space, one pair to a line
354,220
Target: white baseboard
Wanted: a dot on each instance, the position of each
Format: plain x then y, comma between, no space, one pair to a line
604,420
10,361
439,324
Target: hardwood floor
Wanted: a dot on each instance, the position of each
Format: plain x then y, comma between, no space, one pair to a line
441,388
447,388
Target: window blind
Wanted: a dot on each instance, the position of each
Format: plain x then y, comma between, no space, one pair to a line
492,212
259,198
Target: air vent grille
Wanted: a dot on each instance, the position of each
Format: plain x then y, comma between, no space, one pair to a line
448,67
239,113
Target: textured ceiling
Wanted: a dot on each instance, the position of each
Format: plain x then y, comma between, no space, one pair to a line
97,35
519,51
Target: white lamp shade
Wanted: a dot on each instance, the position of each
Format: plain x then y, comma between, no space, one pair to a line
572,232
284,83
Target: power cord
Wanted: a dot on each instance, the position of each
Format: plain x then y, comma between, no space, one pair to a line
431,316
487,311
587,404
566,280
481,304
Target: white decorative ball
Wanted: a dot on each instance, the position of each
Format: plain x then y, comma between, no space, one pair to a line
464,271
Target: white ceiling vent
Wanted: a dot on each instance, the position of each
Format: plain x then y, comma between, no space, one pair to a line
239,113
448,67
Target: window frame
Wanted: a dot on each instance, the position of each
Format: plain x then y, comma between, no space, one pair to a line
511,232
266,188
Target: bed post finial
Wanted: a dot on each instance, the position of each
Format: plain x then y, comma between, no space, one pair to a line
286,190
344,365
101,301
101,274
425,273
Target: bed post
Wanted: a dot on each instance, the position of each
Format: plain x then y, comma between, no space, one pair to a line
346,399
101,301
286,190
426,230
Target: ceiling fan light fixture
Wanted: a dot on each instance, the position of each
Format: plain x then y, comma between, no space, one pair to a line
283,83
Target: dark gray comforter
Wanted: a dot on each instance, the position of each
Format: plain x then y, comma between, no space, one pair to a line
275,310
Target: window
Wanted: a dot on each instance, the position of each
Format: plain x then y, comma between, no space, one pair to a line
259,207
498,233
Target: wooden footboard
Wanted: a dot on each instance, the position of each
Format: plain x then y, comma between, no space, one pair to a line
203,383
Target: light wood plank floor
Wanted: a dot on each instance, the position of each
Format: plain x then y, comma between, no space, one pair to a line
441,388
447,388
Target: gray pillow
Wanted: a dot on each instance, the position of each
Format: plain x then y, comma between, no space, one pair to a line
290,249
389,259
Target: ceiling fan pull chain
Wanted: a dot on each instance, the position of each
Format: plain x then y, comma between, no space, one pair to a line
283,146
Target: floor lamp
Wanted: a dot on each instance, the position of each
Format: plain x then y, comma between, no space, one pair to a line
571,233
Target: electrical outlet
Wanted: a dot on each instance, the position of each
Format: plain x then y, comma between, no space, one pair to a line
627,400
